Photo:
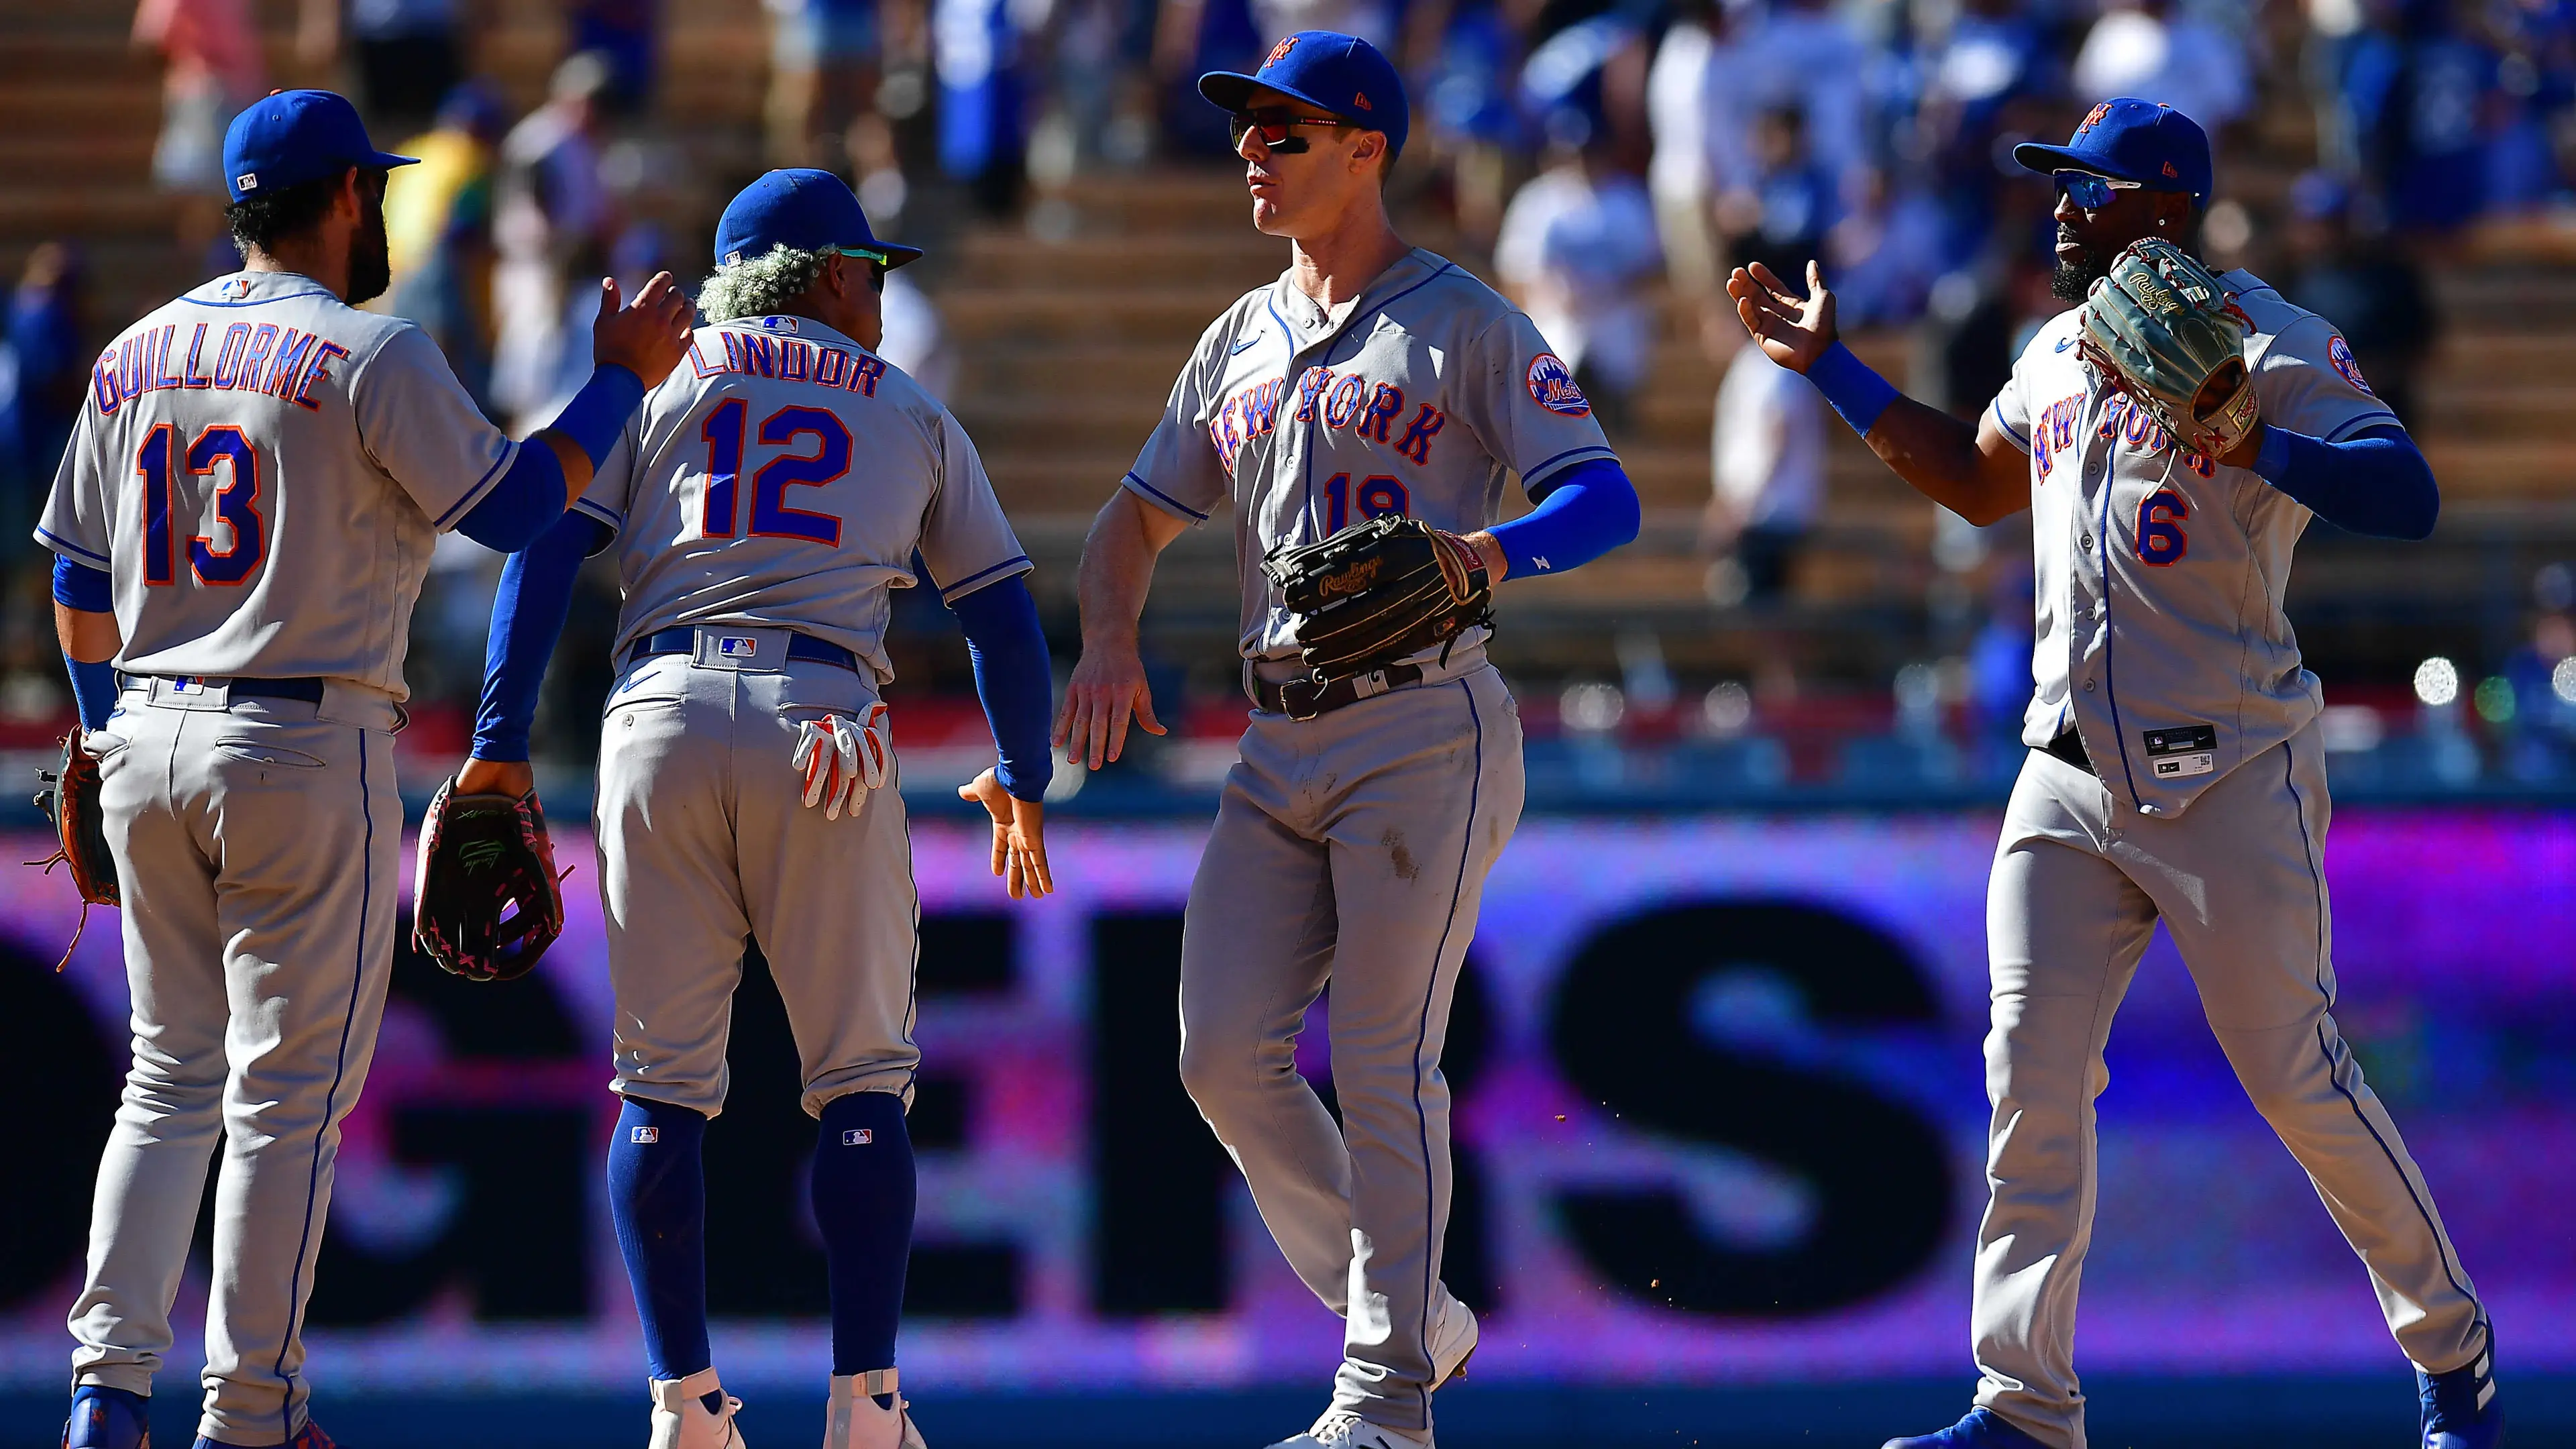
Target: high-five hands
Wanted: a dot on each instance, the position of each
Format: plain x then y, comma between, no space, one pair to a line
1794,331
1019,836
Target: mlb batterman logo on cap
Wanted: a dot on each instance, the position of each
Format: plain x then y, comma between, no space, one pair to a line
1342,75
287,138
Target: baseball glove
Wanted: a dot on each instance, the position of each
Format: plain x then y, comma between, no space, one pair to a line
1378,592
2163,329
69,800
480,855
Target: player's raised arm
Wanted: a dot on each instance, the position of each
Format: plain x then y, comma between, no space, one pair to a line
1108,687
1975,472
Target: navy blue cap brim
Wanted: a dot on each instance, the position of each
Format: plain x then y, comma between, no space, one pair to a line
1228,91
896,256
2043,158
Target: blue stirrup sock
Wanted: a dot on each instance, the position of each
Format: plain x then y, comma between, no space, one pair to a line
862,1189
657,1193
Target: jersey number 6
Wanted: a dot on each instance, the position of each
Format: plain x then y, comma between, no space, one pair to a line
2161,541
236,505
770,515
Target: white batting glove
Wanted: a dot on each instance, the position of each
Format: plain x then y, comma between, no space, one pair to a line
842,759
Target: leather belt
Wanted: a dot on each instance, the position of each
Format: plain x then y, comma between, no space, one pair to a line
1303,698
307,689
683,639
2069,746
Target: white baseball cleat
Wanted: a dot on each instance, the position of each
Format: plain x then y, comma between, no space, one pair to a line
694,1413
854,1420
1453,1338
1343,1429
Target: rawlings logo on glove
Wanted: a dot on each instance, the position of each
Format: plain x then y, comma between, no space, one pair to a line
842,759
1378,592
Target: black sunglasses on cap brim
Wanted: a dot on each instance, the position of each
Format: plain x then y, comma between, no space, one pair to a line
1277,125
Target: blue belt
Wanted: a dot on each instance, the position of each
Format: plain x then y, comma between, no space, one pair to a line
683,639
307,689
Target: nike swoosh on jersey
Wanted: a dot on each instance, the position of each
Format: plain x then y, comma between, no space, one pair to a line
2064,343
1240,348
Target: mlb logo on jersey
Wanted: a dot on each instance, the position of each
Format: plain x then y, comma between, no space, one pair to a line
187,686
858,1137
778,324
1551,386
238,287
736,646
644,1134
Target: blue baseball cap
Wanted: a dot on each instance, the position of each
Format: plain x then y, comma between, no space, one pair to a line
1339,74
802,208
287,138
2154,145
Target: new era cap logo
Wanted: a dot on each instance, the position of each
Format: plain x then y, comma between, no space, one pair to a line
644,1134
735,646
858,1137
1360,99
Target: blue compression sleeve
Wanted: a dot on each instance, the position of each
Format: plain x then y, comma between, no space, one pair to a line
657,1199
863,1186
78,586
93,691
1857,393
524,504
1013,679
528,615
2375,483
530,497
1588,510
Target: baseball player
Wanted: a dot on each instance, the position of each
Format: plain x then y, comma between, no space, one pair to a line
241,523
1354,835
762,505
2174,771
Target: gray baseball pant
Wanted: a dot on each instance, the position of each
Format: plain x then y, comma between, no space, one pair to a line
259,847
705,841
1350,849
2238,880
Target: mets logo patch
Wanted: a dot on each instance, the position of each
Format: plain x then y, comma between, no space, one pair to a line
2339,352
2094,117
1551,386
1279,52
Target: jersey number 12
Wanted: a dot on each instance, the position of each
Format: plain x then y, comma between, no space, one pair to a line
236,505
723,433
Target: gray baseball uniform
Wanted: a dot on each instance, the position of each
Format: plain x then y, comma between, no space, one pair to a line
262,470
1352,848
2162,644
776,485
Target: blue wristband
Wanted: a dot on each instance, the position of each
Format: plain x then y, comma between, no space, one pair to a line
598,413
93,691
1856,392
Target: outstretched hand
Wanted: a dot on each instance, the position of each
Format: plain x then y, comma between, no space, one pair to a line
1794,331
1019,836
647,336
1107,692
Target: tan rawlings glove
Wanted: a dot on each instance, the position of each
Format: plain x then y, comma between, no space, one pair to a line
2163,329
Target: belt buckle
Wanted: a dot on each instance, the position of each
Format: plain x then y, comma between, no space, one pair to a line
1300,699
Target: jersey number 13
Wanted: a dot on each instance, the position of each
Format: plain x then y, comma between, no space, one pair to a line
159,460
724,434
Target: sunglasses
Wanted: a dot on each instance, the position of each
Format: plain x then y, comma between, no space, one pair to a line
2090,191
1276,123
878,262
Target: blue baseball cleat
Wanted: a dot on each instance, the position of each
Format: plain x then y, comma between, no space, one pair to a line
2460,1409
105,1418
1982,1429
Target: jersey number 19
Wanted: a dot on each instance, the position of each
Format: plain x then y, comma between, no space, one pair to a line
723,433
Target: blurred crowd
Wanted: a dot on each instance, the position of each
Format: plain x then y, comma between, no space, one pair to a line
1607,162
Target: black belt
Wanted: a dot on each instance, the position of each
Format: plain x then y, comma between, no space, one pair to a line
1303,699
307,690
2069,746
683,639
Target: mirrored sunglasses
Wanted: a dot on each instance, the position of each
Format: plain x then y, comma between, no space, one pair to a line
2089,189
878,262
1276,125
